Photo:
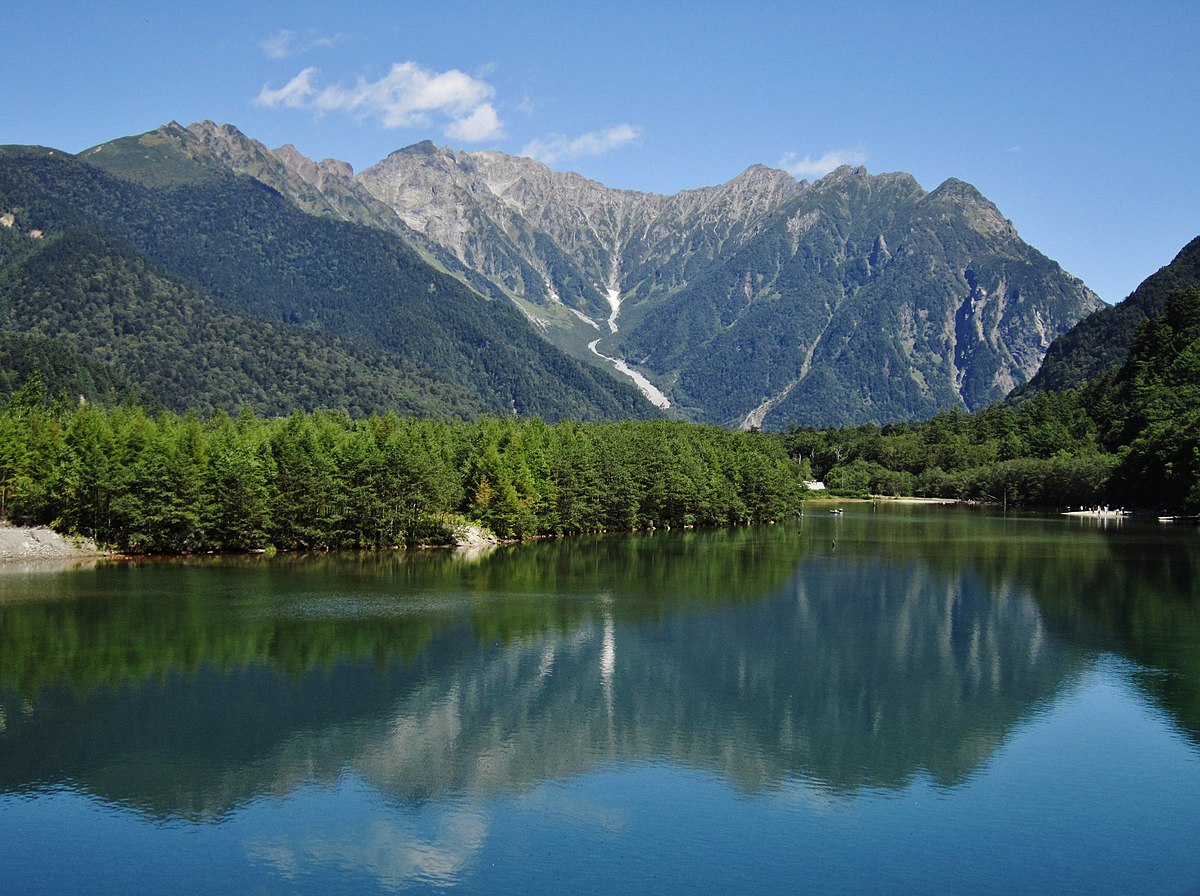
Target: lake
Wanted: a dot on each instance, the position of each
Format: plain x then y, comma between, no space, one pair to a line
900,699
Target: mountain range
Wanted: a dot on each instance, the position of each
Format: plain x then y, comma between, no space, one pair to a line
762,300
463,283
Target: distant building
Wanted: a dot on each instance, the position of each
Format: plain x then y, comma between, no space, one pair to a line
815,485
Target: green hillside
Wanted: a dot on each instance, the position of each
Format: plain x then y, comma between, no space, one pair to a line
1130,437
62,370
112,310
254,279
1103,339
1150,410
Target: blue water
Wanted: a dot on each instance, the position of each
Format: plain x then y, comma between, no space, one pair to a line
905,701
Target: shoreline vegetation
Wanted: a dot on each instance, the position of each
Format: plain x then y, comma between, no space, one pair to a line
137,484
177,483
170,483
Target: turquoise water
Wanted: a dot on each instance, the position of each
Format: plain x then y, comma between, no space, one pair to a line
897,700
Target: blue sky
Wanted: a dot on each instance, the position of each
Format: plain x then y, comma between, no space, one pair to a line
1081,121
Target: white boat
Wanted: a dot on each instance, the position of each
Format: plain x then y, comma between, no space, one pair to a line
1100,513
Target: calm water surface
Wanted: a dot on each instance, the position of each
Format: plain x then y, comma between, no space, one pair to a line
898,700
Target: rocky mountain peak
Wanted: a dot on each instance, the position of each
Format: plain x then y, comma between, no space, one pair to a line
759,174
773,184
981,213
227,145
847,178
424,148
295,160
310,171
206,151
210,130
854,184
336,168
844,174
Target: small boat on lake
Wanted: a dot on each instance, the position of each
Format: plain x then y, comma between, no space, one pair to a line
836,510
1100,513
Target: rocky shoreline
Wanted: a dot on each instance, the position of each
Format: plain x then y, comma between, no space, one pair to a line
23,544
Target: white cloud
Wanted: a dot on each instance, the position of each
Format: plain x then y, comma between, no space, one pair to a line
810,167
556,146
409,95
481,124
295,94
279,44
285,43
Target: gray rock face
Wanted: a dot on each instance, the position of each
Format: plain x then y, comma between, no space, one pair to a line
494,212
23,544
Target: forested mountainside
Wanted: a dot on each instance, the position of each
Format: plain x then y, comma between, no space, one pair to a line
1103,339
62,369
173,155
212,289
120,323
1148,412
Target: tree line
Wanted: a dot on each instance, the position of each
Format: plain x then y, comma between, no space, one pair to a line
171,482
1045,452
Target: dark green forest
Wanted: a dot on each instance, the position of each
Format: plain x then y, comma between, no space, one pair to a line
95,317
179,483
1103,339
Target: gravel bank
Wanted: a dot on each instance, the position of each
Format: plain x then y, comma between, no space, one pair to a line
23,544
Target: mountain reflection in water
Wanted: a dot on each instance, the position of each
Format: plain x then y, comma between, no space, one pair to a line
846,653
